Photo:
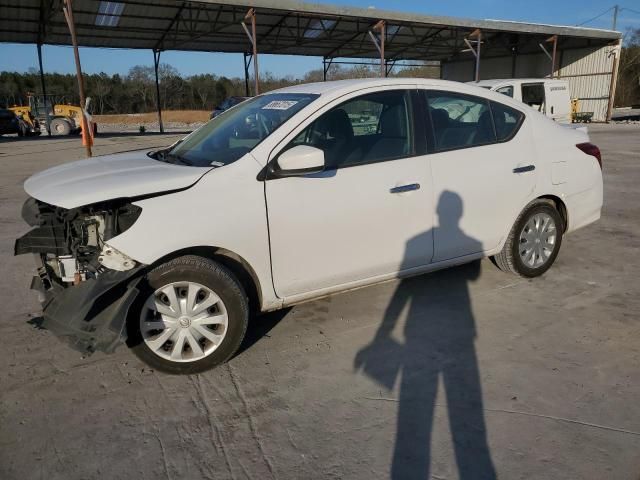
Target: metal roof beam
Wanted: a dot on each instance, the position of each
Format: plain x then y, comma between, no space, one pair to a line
160,41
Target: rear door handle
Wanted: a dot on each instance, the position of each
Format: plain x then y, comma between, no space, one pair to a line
405,188
527,168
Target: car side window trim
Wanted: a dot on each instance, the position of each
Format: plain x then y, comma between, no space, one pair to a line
431,138
519,123
421,123
464,96
415,147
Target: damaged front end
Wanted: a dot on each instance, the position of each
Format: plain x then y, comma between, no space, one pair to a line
86,286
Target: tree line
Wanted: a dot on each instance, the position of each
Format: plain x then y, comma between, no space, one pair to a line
135,92
628,87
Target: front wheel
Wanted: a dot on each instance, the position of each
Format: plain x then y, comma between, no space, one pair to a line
534,241
192,315
60,126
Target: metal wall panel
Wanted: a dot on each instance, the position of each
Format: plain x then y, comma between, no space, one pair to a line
593,89
588,71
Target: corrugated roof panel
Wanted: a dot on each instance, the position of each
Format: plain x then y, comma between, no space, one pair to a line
284,26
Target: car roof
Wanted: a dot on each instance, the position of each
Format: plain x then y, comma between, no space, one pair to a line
346,86
498,81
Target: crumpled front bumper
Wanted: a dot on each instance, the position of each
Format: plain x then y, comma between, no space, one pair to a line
90,316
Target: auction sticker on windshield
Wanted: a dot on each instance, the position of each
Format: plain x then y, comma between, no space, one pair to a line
280,105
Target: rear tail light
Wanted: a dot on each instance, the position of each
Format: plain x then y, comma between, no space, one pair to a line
591,149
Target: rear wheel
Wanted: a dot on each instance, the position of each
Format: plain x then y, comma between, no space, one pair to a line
534,241
192,315
60,126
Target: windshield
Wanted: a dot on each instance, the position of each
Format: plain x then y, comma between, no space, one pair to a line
237,131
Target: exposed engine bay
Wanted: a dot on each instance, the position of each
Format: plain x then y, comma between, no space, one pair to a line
70,244
86,286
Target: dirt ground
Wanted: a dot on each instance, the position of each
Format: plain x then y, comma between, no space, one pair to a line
171,116
466,373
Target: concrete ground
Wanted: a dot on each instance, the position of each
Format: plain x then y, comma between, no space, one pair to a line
473,373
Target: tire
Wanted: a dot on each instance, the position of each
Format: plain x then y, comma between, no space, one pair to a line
22,130
60,126
515,257
169,348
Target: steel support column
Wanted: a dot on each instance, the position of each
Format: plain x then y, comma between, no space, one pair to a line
614,79
251,15
554,39
381,27
389,67
552,55
156,65
476,37
247,63
44,90
68,15
326,65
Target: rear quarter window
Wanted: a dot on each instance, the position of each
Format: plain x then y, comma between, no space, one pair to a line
507,121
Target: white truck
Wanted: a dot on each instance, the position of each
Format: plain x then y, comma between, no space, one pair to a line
550,97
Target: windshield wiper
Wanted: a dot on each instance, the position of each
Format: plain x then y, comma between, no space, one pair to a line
168,157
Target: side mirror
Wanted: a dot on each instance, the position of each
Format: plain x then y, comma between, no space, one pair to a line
300,160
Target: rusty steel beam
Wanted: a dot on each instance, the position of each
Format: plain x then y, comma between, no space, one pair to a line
551,56
614,79
251,15
477,34
156,65
381,27
554,40
68,15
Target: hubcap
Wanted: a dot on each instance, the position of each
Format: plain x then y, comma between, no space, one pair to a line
183,322
537,240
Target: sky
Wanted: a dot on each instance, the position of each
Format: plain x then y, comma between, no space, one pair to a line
14,57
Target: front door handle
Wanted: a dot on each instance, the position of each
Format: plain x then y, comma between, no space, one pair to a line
527,168
405,188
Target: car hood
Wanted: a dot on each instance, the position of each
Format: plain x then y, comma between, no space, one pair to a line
109,177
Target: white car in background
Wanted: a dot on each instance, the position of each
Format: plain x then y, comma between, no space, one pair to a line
548,96
293,195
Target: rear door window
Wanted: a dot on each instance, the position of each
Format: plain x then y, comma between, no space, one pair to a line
459,121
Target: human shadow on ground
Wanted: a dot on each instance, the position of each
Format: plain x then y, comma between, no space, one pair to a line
439,335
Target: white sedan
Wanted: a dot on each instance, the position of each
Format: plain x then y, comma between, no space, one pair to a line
293,195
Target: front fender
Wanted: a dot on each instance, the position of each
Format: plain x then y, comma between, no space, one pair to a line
224,210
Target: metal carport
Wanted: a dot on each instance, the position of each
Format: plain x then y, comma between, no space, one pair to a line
466,48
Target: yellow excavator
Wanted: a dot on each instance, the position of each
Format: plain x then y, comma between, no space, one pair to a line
62,118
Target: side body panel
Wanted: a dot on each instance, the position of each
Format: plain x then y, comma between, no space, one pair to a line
568,173
481,182
346,225
225,209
